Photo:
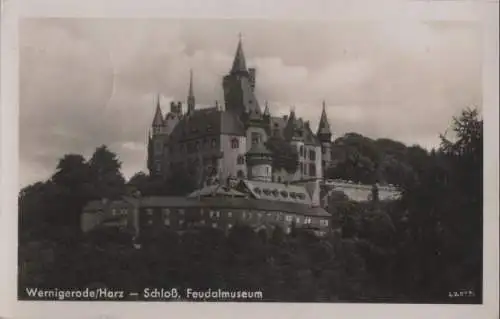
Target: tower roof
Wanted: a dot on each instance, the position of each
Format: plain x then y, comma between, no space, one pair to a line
239,63
266,110
191,91
158,118
259,149
324,126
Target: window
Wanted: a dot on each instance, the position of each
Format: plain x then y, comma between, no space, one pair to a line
214,143
297,220
244,214
268,170
312,169
284,194
307,220
165,212
209,128
149,211
167,222
158,167
197,145
181,222
235,143
123,211
288,218
240,160
214,225
304,168
255,138
259,215
205,143
211,213
324,222
202,212
301,151
202,222
229,214
181,212
113,212
312,155
150,222
229,226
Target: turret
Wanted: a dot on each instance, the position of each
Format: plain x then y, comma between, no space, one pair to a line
259,162
156,141
324,135
157,124
239,87
190,97
324,132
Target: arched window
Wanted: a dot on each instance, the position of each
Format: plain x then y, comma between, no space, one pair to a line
235,143
301,150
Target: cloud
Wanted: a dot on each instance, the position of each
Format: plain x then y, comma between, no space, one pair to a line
87,82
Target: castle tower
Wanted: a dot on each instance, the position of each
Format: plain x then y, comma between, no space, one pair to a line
259,163
324,135
156,141
239,87
190,97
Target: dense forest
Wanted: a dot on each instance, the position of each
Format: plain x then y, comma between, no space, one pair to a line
425,247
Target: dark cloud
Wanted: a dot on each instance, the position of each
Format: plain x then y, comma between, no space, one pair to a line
87,82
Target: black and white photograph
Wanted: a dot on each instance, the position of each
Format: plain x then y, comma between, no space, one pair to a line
248,160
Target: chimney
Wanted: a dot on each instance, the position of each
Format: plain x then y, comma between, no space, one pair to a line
173,109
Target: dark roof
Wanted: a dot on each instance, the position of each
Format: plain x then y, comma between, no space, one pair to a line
239,63
158,118
324,126
209,121
258,149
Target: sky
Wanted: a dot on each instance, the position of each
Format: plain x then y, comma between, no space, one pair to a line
88,82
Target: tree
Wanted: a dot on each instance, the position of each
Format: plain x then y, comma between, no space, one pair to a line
107,180
285,156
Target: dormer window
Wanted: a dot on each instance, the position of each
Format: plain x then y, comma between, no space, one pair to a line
275,192
284,194
257,190
267,191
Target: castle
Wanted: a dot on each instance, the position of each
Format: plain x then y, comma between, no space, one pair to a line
230,141
225,148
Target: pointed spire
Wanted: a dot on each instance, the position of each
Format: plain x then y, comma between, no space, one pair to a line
190,98
239,63
190,83
266,110
324,126
158,119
